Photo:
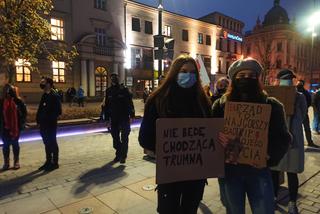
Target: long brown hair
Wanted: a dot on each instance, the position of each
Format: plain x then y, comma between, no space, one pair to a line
160,95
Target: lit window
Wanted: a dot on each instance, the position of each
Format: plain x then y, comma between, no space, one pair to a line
58,69
23,73
200,38
57,31
100,4
167,31
101,37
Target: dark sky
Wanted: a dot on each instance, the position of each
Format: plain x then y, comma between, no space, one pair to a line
244,10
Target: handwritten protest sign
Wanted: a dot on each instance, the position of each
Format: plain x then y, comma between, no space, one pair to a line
285,94
187,149
249,122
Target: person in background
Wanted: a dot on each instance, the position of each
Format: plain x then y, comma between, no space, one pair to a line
243,180
293,162
146,93
316,112
80,96
179,96
306,121
13,114
221,87
71,93
47,117
119,111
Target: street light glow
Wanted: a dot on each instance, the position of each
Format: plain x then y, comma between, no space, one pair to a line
315,19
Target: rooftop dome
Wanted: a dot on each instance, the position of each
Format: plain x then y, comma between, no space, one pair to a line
276,15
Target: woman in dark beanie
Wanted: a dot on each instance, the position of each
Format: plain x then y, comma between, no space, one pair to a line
179,96
13,116
293,162
240,179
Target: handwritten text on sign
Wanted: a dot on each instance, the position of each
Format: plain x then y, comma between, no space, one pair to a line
187,149
249,122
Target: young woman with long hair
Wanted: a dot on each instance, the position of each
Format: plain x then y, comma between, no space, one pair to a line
241,179
179,96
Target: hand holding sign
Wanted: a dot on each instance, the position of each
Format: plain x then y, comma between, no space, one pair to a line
249,121
232,147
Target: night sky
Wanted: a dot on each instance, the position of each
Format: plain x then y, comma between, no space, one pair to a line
244,10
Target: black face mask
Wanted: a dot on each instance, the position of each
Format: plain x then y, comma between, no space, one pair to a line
42,86
247,85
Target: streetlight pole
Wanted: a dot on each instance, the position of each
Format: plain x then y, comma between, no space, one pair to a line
160,9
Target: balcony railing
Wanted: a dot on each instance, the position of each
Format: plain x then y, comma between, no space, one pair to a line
105,51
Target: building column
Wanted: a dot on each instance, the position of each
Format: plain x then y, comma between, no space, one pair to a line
115,68
92,82
122,74
84,76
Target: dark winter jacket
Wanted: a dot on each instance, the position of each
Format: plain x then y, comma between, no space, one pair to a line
180,106
307,95
118,104
22,115
49,109
279,136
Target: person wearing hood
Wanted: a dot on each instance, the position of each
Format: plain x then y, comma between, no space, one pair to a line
179,96
243,180
12,121
221,87
293,162
119,111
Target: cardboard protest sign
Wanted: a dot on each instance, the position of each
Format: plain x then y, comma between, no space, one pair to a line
285,94
187,149
250,123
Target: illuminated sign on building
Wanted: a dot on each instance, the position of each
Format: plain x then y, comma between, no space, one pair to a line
231,36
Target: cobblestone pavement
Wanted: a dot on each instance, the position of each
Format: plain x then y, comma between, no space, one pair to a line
87,178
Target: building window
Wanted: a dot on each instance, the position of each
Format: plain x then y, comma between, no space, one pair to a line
235,47
100,4
167,31
279,64
200,38
228,45
101,81
101,38
208,40
219,65
220,43
23,73
57,31
185,35
207,63
136,58
279,46
148,27
147,59
58,68
136,24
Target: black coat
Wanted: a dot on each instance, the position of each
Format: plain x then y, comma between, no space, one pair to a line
279,135
49,109
22,115
118,104
307,96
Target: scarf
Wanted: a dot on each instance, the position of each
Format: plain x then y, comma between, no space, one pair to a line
10,116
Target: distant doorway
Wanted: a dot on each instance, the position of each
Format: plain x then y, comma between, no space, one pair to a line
101,76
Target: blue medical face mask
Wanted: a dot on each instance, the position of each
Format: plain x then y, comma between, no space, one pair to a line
186,80
286,82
